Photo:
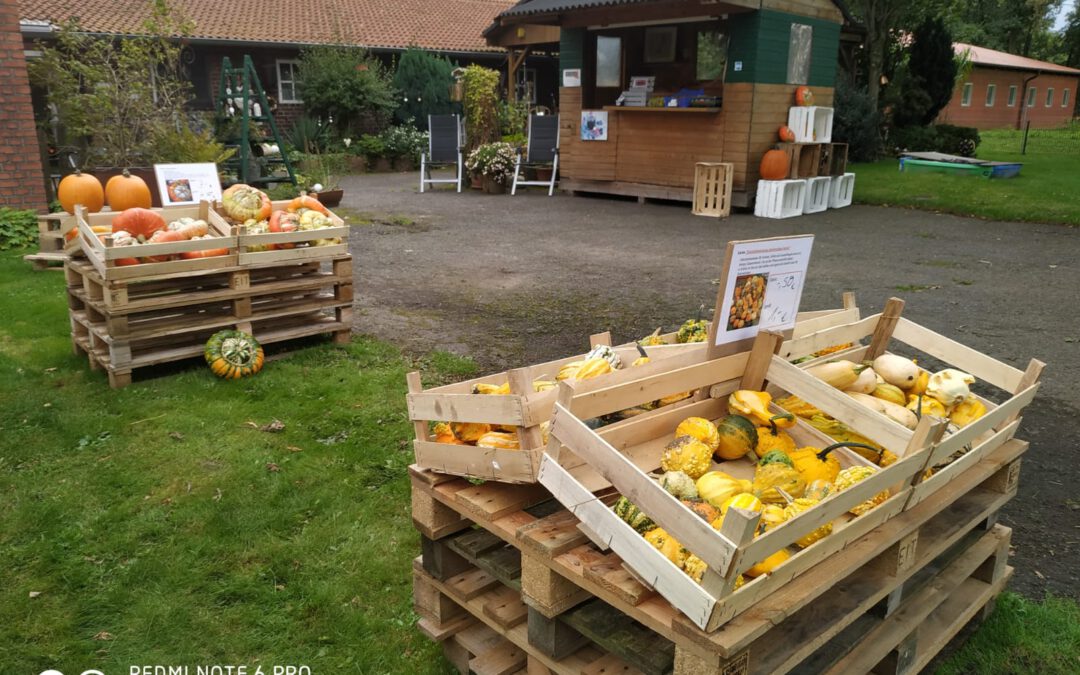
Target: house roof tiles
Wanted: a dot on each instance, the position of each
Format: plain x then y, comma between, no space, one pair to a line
445,25
982,56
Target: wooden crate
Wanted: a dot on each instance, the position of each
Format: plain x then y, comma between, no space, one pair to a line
123,325
526,409
889,332
804,159
712,189
876,581
266,247
103,255
624,457
838,154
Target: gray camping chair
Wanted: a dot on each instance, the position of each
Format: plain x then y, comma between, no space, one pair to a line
445,140
543,151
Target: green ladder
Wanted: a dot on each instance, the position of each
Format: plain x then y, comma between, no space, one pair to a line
241,97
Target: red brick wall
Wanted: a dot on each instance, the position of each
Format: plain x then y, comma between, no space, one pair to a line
1000,114
22,183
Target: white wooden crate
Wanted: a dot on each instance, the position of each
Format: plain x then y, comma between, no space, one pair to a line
817,194
811,124
780,198
841,191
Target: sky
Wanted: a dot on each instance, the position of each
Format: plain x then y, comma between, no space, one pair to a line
1066,7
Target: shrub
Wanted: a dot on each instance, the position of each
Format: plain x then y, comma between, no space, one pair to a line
18,228
856,123
945,138
481,105
324,169
346,87
424,82
404,141
513,118
957,140
494,160
371,146
309,135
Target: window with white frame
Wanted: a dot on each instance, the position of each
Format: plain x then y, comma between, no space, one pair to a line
288,81
1012,95
1031,98
965,97
1049,97
991,94
1064,98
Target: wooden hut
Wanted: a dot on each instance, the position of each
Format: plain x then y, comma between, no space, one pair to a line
745,57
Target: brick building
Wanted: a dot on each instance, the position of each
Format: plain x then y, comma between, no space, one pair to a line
22,184
1005,90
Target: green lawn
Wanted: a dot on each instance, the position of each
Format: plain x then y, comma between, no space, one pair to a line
1044,192
154,525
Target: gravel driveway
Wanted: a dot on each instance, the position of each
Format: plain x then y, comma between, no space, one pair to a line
517,280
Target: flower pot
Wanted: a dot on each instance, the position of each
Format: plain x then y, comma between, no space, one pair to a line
330,197
494,187
543,173
476,181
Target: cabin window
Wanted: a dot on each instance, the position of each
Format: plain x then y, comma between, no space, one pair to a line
1012,95
991,94
712,46
1049,97
1031,98
608,61
288,77
1064,98
965,98
798,63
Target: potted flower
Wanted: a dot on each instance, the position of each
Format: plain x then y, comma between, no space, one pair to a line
495,163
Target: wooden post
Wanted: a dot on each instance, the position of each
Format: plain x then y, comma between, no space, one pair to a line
765,346
420,427
1031,376
565,398
879,342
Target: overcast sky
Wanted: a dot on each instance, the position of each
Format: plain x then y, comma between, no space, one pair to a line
1066,7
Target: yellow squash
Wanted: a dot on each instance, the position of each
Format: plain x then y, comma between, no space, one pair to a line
967,411
716,487
771,478
701,429
769,564
799,506
666,544
755,405
687,454
856,474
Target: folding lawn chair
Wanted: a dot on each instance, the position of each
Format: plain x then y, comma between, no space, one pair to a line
445,140
543,151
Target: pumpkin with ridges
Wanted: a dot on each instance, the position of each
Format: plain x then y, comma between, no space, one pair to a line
125,191
232,354
80,188
738,436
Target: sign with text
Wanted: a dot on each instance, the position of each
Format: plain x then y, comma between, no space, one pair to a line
761,285
188,183
571,77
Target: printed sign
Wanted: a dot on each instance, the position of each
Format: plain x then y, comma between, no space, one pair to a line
594,125
187,183
571,77
761,285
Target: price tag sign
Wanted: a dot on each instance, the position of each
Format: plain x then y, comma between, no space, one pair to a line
188,183
761,285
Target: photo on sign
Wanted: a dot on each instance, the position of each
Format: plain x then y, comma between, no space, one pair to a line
594,125
178,190
747,300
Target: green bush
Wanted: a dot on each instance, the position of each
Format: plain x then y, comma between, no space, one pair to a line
481,105
856,123
424,82
957,140
346,87
371,146
404,141
945,138
18,228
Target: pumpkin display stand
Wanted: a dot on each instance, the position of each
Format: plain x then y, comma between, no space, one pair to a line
508,575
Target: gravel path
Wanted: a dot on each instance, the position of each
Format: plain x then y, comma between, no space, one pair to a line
517,280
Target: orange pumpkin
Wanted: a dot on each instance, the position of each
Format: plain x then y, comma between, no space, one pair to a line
774,165
803,96
307,202
139,223
127,192
81,188
786,134
163,237
284,221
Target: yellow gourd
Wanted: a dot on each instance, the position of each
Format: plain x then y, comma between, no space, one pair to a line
924,405
470,432
755,405
744,500
695,567
797,406
799,506
687,454
666,544
499,440
856,474
967,411
770,437
701,429
769,564
770,477
716,487
772,516
444,434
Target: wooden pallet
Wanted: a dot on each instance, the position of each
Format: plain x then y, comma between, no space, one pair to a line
526,409
817,619
561,568
126,325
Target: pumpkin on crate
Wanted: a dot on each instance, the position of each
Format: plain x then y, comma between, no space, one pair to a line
232,354
786,134
803,96
775,165
142,224
243,202
125,191
81,188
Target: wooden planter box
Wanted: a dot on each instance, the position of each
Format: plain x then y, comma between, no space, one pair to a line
103,255
250,246
580,462
527,409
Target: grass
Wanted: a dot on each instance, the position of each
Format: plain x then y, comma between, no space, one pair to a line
1044,192
157,524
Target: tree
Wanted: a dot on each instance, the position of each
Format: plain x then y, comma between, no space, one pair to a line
123,98
424,82
347,87
1071,38
932,61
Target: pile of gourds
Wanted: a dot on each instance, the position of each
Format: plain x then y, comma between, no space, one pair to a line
691,330
482,434
136,226
252,208
787,482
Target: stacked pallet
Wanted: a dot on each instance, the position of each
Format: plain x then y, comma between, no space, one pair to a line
56,240
510,578
128,317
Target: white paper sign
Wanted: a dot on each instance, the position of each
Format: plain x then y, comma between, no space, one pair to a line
762,285
571,77
187,183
